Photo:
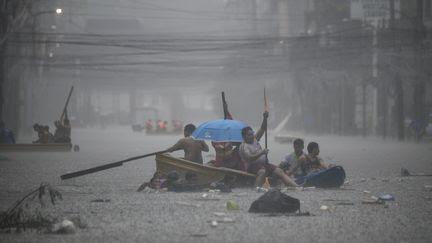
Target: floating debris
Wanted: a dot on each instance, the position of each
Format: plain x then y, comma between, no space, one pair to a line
223,220
214,223
310,188
101,200
324,208
405,172
387,197
299,214
64,227
241,194
344,203
226,220
372,201
231,205
261,189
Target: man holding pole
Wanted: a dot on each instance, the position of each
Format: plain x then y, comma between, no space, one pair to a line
255,158
63,130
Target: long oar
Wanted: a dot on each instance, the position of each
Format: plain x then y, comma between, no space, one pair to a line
265,130
106,166
67,103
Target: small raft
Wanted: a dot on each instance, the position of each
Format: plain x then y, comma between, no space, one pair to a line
36,147
205,174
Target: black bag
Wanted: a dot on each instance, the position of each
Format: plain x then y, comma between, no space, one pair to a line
275,201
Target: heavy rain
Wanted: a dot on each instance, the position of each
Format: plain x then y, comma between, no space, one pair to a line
215,121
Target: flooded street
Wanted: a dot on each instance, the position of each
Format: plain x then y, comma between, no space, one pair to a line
113,211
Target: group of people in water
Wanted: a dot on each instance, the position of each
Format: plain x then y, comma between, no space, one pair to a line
161,126
249,156
62,132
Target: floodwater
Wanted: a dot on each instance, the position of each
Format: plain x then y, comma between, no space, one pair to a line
371,164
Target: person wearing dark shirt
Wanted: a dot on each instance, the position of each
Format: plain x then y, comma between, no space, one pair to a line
6,135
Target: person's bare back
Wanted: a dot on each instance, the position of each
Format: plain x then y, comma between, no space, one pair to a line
191,147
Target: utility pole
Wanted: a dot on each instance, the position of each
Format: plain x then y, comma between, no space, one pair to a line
3,32
419,83
398,85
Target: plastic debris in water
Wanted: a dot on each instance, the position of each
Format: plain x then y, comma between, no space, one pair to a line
231,205
64,227
227,220
324,208
387,197
309,188
373,200
261,189
214,223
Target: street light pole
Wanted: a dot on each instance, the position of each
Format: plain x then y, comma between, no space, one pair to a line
34,78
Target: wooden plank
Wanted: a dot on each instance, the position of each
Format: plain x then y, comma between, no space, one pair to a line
47,147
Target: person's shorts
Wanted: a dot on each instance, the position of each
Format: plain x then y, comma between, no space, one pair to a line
269,168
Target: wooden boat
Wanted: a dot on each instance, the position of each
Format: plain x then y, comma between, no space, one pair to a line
165,163
37,147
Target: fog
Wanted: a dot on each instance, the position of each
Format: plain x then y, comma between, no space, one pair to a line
335,67
352,75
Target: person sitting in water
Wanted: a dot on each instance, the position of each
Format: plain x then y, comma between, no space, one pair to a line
48,137
6,135
44,135
192,148
149,126
254,157
292,161
313,163
227,155
315,172
38,129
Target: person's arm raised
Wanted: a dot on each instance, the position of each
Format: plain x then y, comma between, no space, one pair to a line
263,127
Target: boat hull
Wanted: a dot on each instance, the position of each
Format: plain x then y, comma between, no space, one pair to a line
47,147
205,174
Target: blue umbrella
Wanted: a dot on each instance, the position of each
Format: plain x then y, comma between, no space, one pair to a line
220,130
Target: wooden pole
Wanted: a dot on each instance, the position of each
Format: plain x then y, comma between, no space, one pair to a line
66,104
106,166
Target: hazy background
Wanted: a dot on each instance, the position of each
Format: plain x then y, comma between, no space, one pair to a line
356,67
